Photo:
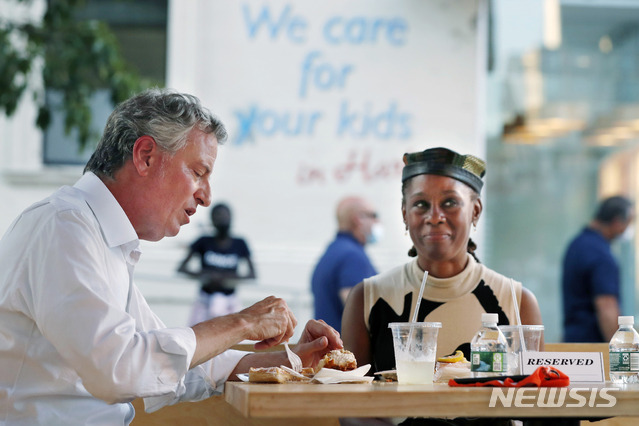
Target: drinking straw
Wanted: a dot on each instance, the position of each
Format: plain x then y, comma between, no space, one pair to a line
419,301
421,294
518,317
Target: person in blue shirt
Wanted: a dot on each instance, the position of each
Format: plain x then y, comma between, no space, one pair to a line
345,263
590,275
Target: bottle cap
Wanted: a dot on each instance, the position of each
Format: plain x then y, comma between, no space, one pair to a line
629,320
489,318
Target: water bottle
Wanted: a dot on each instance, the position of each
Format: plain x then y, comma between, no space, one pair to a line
624,352
488,349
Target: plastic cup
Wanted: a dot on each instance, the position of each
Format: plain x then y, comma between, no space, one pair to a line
415,345
532,340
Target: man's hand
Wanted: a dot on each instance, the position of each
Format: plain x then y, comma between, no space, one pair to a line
317,339
272,322
269,321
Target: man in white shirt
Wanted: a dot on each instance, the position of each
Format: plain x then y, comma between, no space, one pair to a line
78,341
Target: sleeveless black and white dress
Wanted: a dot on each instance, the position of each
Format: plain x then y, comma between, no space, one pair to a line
457,302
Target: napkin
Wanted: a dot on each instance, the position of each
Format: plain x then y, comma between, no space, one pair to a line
329,375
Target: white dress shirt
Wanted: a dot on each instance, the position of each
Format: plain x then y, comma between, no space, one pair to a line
77,339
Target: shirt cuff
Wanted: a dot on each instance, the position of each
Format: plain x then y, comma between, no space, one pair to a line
219,369
181,340
200,382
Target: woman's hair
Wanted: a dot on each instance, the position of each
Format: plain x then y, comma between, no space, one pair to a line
470,248
163,114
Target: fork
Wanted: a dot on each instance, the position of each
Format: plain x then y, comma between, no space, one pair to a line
293,358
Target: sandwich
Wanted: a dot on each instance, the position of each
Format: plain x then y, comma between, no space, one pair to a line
338,359
279,375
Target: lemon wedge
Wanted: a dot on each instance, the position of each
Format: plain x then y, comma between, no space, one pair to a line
456,357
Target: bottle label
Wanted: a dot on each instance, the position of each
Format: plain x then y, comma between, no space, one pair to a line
624,361
490,362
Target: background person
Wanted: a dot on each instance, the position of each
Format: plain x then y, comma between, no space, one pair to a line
344,263
78,341
220,257
590,274
440,205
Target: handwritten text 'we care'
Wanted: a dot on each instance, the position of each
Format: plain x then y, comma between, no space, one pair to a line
357,118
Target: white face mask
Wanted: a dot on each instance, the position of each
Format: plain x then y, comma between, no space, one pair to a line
628,234
376,234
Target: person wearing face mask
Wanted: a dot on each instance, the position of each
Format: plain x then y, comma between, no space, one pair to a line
220,258
590,274
345,263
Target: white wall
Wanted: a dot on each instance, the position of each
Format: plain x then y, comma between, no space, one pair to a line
412,80
281,75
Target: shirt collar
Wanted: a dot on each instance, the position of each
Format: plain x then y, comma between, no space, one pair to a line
596,233
116,227
445,289
349,236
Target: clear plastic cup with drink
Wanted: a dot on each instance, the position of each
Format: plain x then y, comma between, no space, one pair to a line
415,345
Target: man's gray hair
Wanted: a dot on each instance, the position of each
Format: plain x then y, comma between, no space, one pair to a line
164,114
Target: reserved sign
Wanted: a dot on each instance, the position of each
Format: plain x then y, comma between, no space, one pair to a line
579,366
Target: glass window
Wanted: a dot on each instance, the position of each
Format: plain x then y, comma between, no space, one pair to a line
562,113
141,29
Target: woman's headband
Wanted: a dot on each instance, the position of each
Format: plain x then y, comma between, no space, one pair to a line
444,162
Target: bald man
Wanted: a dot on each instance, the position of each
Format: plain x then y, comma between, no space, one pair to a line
344,263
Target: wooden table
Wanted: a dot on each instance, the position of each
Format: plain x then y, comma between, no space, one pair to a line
437,400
